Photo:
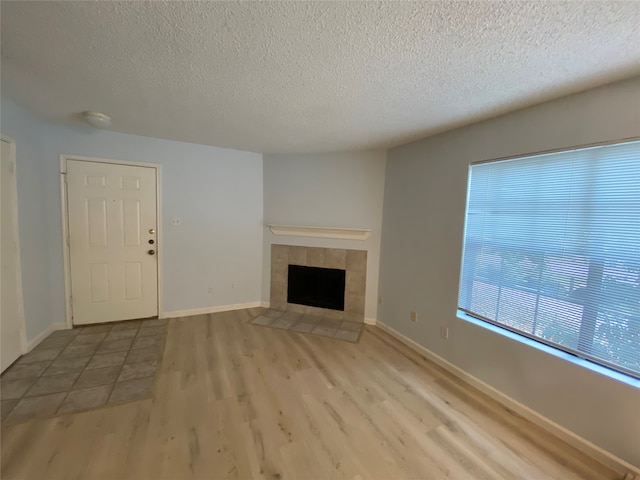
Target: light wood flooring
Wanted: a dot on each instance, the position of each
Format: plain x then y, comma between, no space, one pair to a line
234,400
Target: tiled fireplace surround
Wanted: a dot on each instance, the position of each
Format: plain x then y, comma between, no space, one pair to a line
354,262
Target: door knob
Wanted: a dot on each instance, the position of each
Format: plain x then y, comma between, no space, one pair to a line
152,231
151,252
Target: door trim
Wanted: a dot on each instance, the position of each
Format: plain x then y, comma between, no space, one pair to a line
66,254
15,219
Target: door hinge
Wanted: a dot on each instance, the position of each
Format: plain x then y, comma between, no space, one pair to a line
68,241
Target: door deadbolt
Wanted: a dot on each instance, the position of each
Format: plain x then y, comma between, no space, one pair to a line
152,231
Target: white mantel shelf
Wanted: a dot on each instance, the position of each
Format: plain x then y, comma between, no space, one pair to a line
321,232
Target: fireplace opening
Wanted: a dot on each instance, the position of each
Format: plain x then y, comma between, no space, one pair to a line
316,287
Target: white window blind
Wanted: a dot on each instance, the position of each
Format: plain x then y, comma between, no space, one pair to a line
552,250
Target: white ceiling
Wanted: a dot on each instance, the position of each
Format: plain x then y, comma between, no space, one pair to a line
308,76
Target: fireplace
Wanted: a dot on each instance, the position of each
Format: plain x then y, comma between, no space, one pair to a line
353,264
316,287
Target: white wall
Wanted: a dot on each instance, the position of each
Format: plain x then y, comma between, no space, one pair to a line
26,130
326,190
424,212
216,192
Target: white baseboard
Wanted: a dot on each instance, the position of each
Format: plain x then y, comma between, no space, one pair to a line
607,458
33,343
206,310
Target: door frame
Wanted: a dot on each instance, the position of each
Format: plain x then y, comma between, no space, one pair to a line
16,222
65,225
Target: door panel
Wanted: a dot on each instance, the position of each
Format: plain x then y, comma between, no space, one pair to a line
111,212
11,313
132,281
131,223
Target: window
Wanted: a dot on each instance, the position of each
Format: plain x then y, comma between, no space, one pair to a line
552,250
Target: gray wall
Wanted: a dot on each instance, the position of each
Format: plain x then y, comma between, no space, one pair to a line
424,210
326,190
26,130
216,192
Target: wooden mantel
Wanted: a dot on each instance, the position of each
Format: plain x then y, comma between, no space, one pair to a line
321,232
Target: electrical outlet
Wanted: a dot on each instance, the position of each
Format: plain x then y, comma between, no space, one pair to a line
380,300
210,290
444,332
233,285
414,317
175,221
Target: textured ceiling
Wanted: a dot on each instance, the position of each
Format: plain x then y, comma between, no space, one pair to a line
308,76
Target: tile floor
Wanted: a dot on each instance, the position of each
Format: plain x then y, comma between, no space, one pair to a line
301,323
84,368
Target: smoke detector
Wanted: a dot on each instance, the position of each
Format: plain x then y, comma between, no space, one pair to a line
97,119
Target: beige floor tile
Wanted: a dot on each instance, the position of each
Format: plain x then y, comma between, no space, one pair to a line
303,327
88,339
330,323
263,320
295,316
15,389
324,331
129,325
6,406
67,365
146,342
55,342
132,390
79,351
66,332
284,323
351,326
107,360
94,329
137,355
271,312
115,345
85,399
44,355
157,322
27,370
138,370
147,331
348,335
53,384
120,334
41,406
96,377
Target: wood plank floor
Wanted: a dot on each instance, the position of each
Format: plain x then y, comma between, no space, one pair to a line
234,400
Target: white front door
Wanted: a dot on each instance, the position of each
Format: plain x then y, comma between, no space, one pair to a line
112,220
11,321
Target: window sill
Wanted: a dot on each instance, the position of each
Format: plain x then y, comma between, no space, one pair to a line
594,367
